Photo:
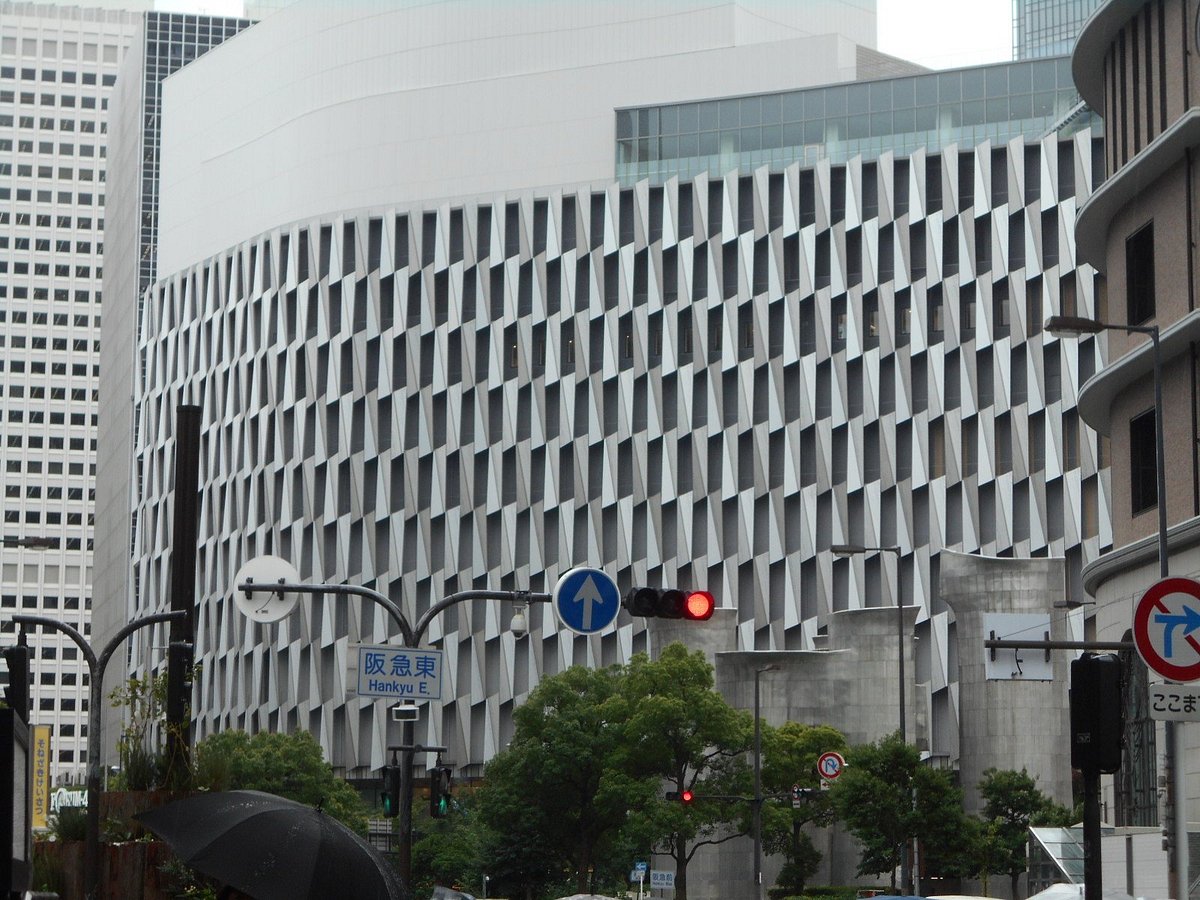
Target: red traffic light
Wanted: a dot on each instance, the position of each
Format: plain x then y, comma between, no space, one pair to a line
699,605
670,603
686,796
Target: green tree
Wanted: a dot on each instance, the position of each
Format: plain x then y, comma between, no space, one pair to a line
677,729
558,794
790,755
290,765
1013,802
888,798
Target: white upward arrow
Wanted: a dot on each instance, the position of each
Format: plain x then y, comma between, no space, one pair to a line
588,595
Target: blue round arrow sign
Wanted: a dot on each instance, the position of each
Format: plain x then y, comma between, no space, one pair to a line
586,600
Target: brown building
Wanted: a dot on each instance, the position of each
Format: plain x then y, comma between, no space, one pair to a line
1138,64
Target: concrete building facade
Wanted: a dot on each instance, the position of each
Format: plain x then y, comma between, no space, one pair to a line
1135,64
703,381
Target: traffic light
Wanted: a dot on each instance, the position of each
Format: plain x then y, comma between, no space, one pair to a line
391,792
1097,713
439,791
17,692
670,603
684,797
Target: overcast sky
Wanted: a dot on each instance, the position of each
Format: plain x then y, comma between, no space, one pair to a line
943,34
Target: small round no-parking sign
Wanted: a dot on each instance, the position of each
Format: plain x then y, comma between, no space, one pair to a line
830,765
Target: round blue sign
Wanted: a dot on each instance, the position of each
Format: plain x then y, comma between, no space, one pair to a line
586,600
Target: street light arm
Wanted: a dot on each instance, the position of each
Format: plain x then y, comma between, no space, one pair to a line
467,596
112,646
44,622
344,589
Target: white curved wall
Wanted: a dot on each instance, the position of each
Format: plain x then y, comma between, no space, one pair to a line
326,107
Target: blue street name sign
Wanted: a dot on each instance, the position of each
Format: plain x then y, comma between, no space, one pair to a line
586,600
398,673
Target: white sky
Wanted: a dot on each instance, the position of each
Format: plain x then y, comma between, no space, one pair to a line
940,34
943,34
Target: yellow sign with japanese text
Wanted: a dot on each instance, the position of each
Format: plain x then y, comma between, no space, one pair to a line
41,775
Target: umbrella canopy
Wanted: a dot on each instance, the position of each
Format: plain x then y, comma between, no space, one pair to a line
270,847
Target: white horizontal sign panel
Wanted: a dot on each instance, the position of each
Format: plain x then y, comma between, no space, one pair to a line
1175,702
397,673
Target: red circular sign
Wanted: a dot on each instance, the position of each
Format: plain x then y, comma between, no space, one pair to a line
830,765
1166,629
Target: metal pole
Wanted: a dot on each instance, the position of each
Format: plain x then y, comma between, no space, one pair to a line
1176,750
905,855
406,800
181,652
758,798
1091,836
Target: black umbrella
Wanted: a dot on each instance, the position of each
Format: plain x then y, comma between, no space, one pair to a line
270,847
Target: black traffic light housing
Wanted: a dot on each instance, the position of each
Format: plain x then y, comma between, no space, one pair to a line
17,692
439,791
670,603
391,791
684,796
1097,713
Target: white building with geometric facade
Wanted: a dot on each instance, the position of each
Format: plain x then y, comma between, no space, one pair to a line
680,377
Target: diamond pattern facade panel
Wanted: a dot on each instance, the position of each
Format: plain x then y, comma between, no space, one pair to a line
703,383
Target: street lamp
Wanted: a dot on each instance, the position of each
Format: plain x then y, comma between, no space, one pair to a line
1074,327
758,797
410,637
96,663
858,550
1078,326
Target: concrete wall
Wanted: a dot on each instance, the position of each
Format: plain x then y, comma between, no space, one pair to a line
1009,724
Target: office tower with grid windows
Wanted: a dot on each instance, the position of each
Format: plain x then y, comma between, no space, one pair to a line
58,66
59,69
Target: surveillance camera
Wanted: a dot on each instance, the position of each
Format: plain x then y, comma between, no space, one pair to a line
519,626
405,712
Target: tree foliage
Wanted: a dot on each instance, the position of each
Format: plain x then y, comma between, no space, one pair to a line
290,765
1013,802
887,797
678,729
790,755
559,784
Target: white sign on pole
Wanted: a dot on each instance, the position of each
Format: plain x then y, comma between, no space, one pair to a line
1175,702
662,878
397,673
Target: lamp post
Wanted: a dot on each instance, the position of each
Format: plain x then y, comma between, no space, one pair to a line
96,664
1075,327
858,550
758,797
410,638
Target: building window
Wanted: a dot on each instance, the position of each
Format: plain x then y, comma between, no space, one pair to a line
1139,275
1143,475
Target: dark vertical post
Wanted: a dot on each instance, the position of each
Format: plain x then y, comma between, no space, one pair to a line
181,651
1092,878
406,802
